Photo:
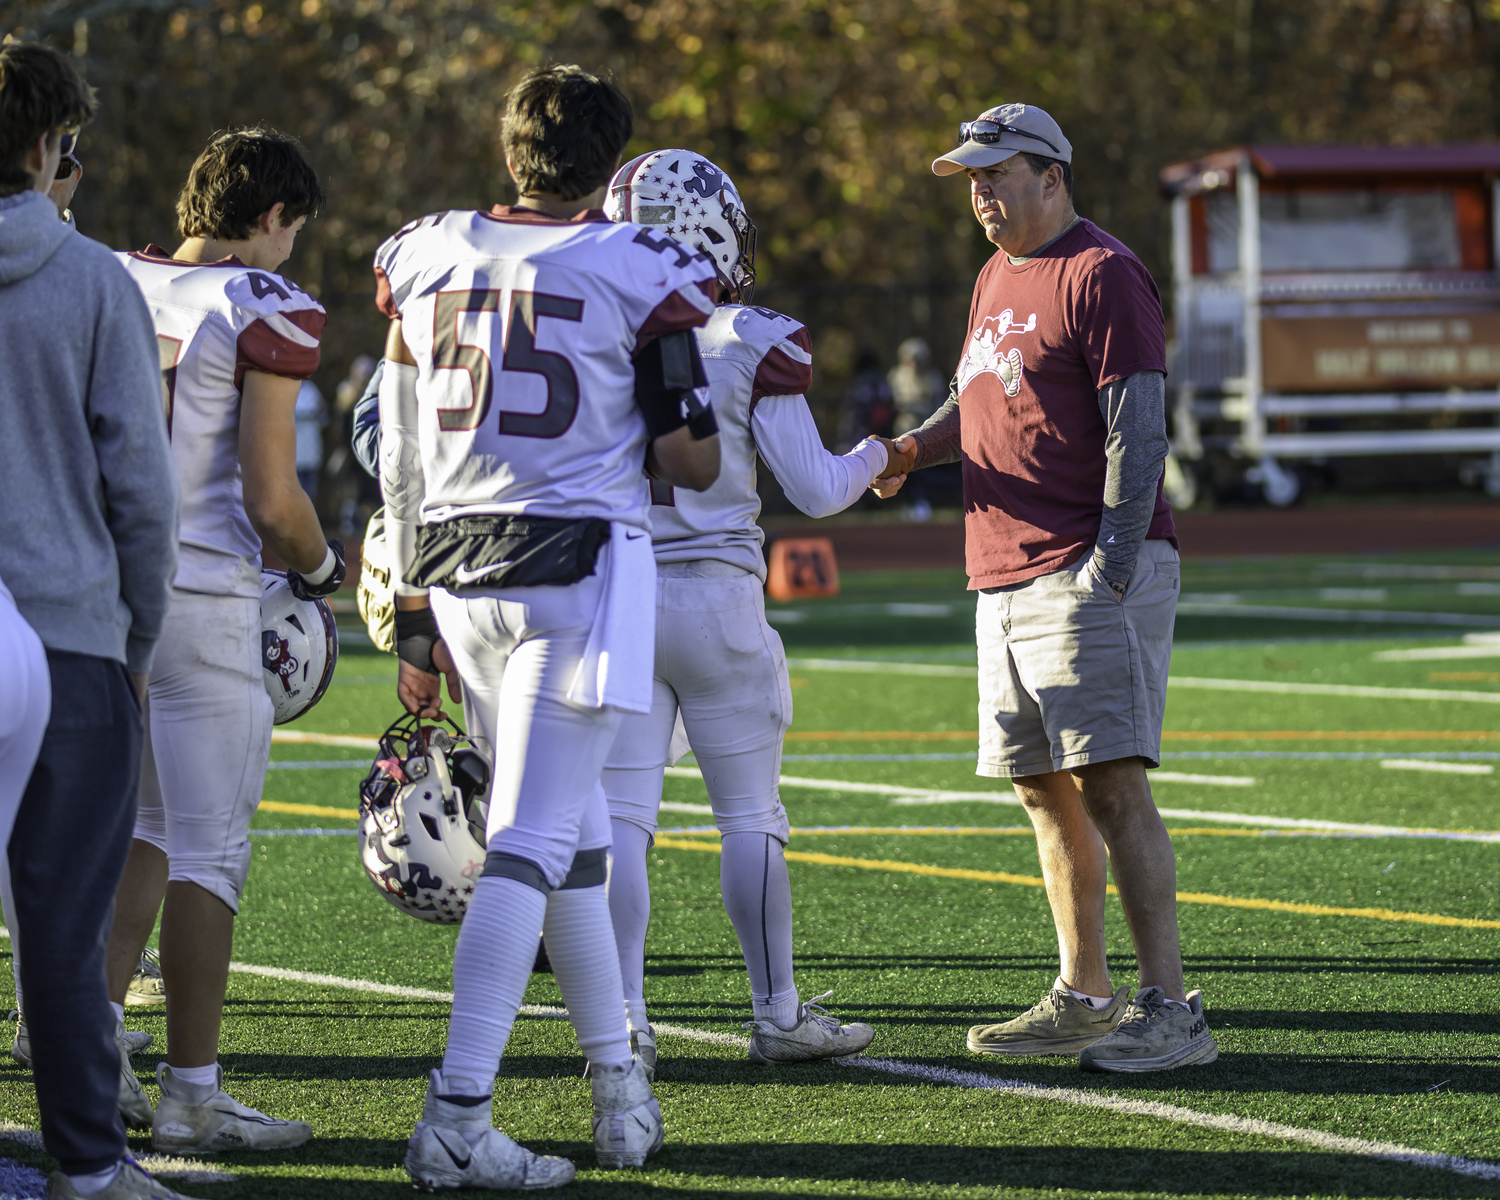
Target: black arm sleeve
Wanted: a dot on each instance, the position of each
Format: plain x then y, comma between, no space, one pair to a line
671,388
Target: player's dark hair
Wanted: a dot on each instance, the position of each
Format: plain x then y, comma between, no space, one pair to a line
1039,164
564,130
237,179
41,92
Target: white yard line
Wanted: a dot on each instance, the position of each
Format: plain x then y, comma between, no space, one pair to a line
1219,780
1424,653
1198,608
912,796
183,1170
1224,1122
1427,764
1331,689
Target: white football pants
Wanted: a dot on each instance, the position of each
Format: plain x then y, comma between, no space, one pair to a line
721,665
208,741
25,707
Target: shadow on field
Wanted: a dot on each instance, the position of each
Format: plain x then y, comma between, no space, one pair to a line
333,1067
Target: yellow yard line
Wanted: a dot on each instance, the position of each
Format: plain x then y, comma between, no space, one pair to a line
906,868
308,810
293,737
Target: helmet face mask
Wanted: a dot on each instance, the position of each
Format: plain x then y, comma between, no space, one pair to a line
422,811
693,201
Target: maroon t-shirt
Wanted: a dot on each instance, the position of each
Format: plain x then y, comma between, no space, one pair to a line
1043,338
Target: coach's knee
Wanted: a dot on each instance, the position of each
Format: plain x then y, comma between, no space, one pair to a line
1114,791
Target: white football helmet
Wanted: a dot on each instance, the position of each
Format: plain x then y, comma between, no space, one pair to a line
299,647
422,813
688,198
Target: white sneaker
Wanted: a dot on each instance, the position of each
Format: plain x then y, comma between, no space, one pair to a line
132,1183
135,1108
20,1048
627,1119
455,1146
815,1035
133,1041
219,1123
146,985
643,1046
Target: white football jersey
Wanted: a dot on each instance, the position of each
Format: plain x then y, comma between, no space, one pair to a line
747,353
524,328
214,322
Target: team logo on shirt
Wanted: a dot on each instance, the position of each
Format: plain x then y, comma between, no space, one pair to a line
985,355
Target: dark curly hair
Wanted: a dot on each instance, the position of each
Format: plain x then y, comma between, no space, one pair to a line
239,176
564,130
40,92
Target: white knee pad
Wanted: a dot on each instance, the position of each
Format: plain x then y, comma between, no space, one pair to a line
634,795
743,791
221,873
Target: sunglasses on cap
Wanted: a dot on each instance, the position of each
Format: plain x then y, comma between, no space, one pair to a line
69,140
66,166
987,132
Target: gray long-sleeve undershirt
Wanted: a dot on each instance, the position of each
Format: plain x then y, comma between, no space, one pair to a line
1135,447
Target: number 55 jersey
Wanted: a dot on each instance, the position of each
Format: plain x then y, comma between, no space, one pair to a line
215,321
524,328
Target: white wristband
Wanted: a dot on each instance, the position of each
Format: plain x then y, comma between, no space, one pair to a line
324,571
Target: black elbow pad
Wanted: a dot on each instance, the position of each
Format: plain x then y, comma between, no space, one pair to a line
671,388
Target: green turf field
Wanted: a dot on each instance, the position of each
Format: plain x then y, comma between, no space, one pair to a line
1350,960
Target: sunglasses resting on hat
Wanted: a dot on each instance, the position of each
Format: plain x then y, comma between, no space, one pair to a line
987,132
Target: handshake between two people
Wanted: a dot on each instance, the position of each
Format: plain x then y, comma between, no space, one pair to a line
900,461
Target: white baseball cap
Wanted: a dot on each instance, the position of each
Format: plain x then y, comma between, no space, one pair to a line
1000,132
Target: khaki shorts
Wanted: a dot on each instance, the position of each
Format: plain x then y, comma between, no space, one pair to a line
1069,674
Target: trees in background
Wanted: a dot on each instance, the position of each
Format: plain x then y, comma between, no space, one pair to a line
826,113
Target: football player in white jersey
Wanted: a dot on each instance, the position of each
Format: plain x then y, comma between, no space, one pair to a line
724,672
540,357
236,340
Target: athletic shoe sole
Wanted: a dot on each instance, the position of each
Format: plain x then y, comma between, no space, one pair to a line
1037,1048
1197,1053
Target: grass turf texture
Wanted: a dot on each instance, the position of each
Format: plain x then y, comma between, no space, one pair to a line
1326,1023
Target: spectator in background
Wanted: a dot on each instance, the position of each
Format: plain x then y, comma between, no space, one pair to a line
89,549
868,408
312,415
916,389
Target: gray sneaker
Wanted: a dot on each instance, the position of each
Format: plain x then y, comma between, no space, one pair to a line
146,986
1059,1024
816,1035
1154,1036
132,1183
132,1041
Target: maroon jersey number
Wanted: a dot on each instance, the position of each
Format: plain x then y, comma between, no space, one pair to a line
520,354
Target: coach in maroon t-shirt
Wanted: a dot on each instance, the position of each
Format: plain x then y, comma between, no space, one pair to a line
1058,417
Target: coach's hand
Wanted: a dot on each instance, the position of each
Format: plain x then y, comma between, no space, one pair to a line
900,456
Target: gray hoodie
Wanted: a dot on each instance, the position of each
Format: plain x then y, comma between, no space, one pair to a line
88,497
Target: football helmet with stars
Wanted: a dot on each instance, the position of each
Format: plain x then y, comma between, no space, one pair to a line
690,199
422,812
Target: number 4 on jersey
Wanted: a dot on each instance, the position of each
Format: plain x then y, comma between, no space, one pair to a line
520,354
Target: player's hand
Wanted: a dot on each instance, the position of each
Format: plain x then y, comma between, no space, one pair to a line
443,661
887,487
900,456
421,692
304,590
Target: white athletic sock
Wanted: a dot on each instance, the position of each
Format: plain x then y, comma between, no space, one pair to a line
758,898
586,964
491,967
1099,1002
119,1011
630,909
95,1182
783,1010
636,1016
191,1085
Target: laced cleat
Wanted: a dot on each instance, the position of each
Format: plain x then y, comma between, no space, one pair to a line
816,1035
132,1183
1059,1023
1154,1036
133,1041
218,1123
455,1146
135,1107
643,1046
146,985
627,1119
